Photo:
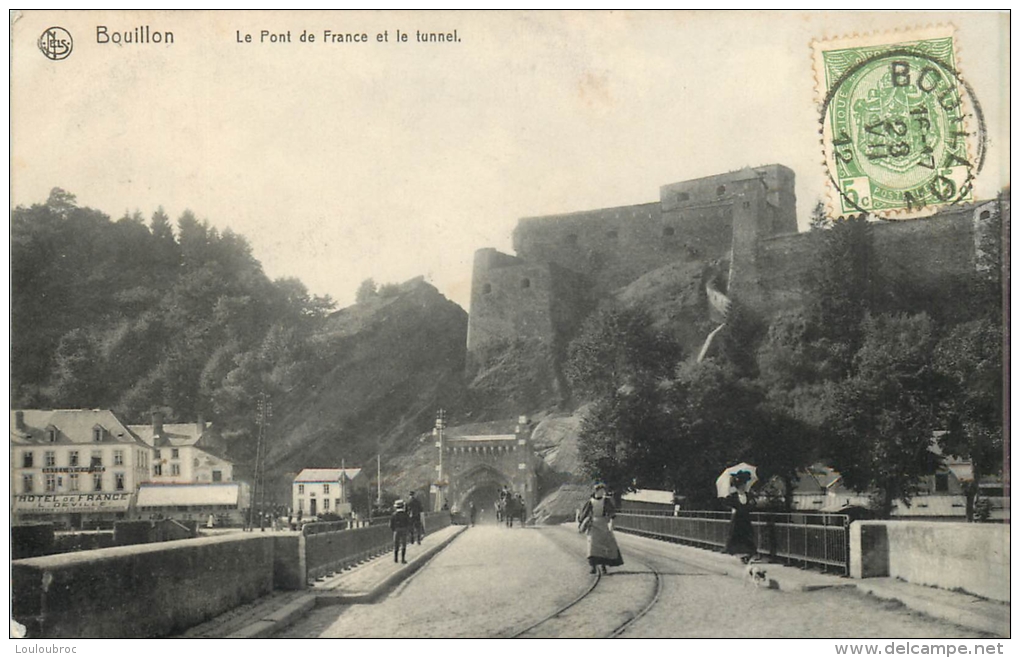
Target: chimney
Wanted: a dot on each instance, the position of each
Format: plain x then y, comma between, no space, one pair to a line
19,420
200,425
157,424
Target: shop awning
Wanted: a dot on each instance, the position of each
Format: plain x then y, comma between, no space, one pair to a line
189,495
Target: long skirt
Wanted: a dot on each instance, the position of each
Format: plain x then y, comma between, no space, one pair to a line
602,546
741,536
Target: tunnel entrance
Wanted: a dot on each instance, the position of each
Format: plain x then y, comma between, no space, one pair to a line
484,496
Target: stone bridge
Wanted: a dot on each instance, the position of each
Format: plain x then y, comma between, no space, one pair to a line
478,466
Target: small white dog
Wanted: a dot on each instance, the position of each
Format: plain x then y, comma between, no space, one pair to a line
757,575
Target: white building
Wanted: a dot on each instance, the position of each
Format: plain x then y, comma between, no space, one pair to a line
190,477
74,467
184,453
324,491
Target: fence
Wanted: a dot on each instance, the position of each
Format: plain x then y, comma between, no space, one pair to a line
820,539
331,547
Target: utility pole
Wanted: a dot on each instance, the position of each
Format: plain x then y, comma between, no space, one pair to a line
440,482
264,409
378,480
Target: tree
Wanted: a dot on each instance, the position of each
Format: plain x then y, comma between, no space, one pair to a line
844,287
819,219
617,347
885,414
366,291
618,441
970,358
710,418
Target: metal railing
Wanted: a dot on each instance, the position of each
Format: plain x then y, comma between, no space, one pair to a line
331,547
820,539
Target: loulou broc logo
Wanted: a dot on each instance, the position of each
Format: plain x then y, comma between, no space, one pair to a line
56,43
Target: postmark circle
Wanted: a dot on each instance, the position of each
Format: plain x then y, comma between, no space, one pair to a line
56,43
897,134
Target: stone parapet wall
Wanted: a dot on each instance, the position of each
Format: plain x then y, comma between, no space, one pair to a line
973,557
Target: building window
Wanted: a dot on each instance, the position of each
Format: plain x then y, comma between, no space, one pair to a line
97,434
51,482
27,483
72,482
721,190
97,458
158,456
941,482
217,476
683,196
612,235
487,288
175,469
526,283
72,458
571,238
118,457
669,231
157,469
97,482
325,489
27,460
50,458
325,504
51,434
118,479
175,453
301,489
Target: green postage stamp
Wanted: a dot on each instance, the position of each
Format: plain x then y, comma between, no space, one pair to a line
902,134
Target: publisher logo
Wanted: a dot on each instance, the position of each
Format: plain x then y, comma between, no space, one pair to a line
56,43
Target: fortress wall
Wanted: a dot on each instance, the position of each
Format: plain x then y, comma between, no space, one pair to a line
786,263
511,299
612,247
927,250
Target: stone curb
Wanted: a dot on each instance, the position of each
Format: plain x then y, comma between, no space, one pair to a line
288,614
953,614
391,581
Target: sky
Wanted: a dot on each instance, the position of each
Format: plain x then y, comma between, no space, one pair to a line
344,161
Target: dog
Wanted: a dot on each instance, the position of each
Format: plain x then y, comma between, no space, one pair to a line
757,575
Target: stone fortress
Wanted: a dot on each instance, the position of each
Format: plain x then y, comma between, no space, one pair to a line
742,226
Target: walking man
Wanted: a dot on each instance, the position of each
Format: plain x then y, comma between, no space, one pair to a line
400,524
414,511
472,512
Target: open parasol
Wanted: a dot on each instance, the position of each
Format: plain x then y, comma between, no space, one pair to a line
723,484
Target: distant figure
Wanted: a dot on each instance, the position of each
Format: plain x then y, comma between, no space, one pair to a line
414,511
472,513
400,524
499,512
210,522
596,521
446,508
290,519
300,513
510,511
521,509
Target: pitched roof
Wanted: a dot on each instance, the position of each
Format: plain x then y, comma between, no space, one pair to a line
73,426
326,474
174,435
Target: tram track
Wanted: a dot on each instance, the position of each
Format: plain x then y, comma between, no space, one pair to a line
589,596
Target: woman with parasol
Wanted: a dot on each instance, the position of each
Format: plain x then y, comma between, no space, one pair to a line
733,486
595,520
